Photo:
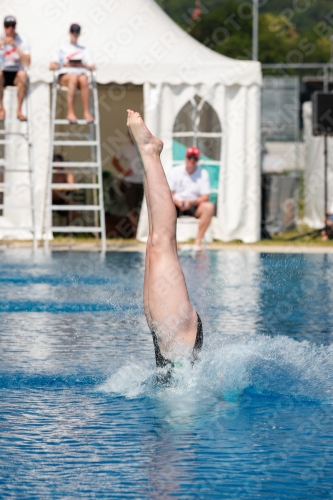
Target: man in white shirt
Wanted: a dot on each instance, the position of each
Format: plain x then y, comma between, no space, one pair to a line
127,162
189,185
15,57
74,63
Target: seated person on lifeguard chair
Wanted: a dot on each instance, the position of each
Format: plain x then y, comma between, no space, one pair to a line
190,189
74,64
15,55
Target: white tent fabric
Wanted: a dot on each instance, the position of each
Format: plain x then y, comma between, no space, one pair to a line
238,214
131,40
314,209
134,41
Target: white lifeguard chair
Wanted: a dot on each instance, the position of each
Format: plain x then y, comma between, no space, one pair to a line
90,139
17,171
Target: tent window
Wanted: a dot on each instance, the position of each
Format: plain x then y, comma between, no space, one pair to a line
197,124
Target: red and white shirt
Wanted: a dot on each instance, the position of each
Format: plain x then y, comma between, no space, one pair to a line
12,61
72,52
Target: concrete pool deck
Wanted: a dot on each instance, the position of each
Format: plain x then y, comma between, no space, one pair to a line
90,245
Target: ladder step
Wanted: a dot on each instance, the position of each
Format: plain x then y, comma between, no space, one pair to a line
4,142
14,121
74,143
74,186
18,228
30,207
14,184
59,121
75,164
17,170
76,229
6,132
4,163
75,207
72,134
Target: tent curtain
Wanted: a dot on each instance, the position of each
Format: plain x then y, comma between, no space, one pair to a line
237,107
314,193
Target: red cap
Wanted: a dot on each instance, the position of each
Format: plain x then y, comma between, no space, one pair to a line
193,151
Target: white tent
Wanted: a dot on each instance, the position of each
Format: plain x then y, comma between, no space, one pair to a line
134,41
314,194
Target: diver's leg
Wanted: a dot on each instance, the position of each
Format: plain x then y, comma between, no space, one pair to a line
171,313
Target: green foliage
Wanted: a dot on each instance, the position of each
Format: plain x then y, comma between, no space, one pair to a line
305,14
180,10
287,28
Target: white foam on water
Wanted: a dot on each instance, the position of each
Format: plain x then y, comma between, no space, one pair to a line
229,365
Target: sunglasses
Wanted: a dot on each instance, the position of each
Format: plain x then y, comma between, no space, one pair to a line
9,25
192,157
75,31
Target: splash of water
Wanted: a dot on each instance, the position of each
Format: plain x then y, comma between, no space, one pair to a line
230,365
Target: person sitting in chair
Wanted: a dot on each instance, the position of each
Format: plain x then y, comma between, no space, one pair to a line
74,63
15,55
190,188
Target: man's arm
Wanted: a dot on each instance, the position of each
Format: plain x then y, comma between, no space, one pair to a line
204,189
25,58
73,64
187,204
87,61
54,65
178,203
201,199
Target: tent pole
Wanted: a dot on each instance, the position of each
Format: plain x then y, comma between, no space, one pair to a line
255,30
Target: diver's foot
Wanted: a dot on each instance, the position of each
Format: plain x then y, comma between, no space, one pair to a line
72,118
89,118
144,139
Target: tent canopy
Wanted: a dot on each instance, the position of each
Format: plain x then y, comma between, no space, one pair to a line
130,40
135,42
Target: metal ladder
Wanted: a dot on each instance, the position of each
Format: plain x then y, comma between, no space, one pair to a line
94,166
17,138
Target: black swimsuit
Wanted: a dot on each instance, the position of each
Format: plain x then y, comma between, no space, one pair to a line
161,362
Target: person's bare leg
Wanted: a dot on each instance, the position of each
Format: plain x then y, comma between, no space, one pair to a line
70,81
2,86
85,94
21,81
204,212
146,279
169,310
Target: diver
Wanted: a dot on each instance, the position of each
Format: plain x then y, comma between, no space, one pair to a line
175,326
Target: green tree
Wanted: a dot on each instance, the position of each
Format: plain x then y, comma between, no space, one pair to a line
287,28
228,30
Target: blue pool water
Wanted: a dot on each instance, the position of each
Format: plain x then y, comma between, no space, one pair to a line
81,417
